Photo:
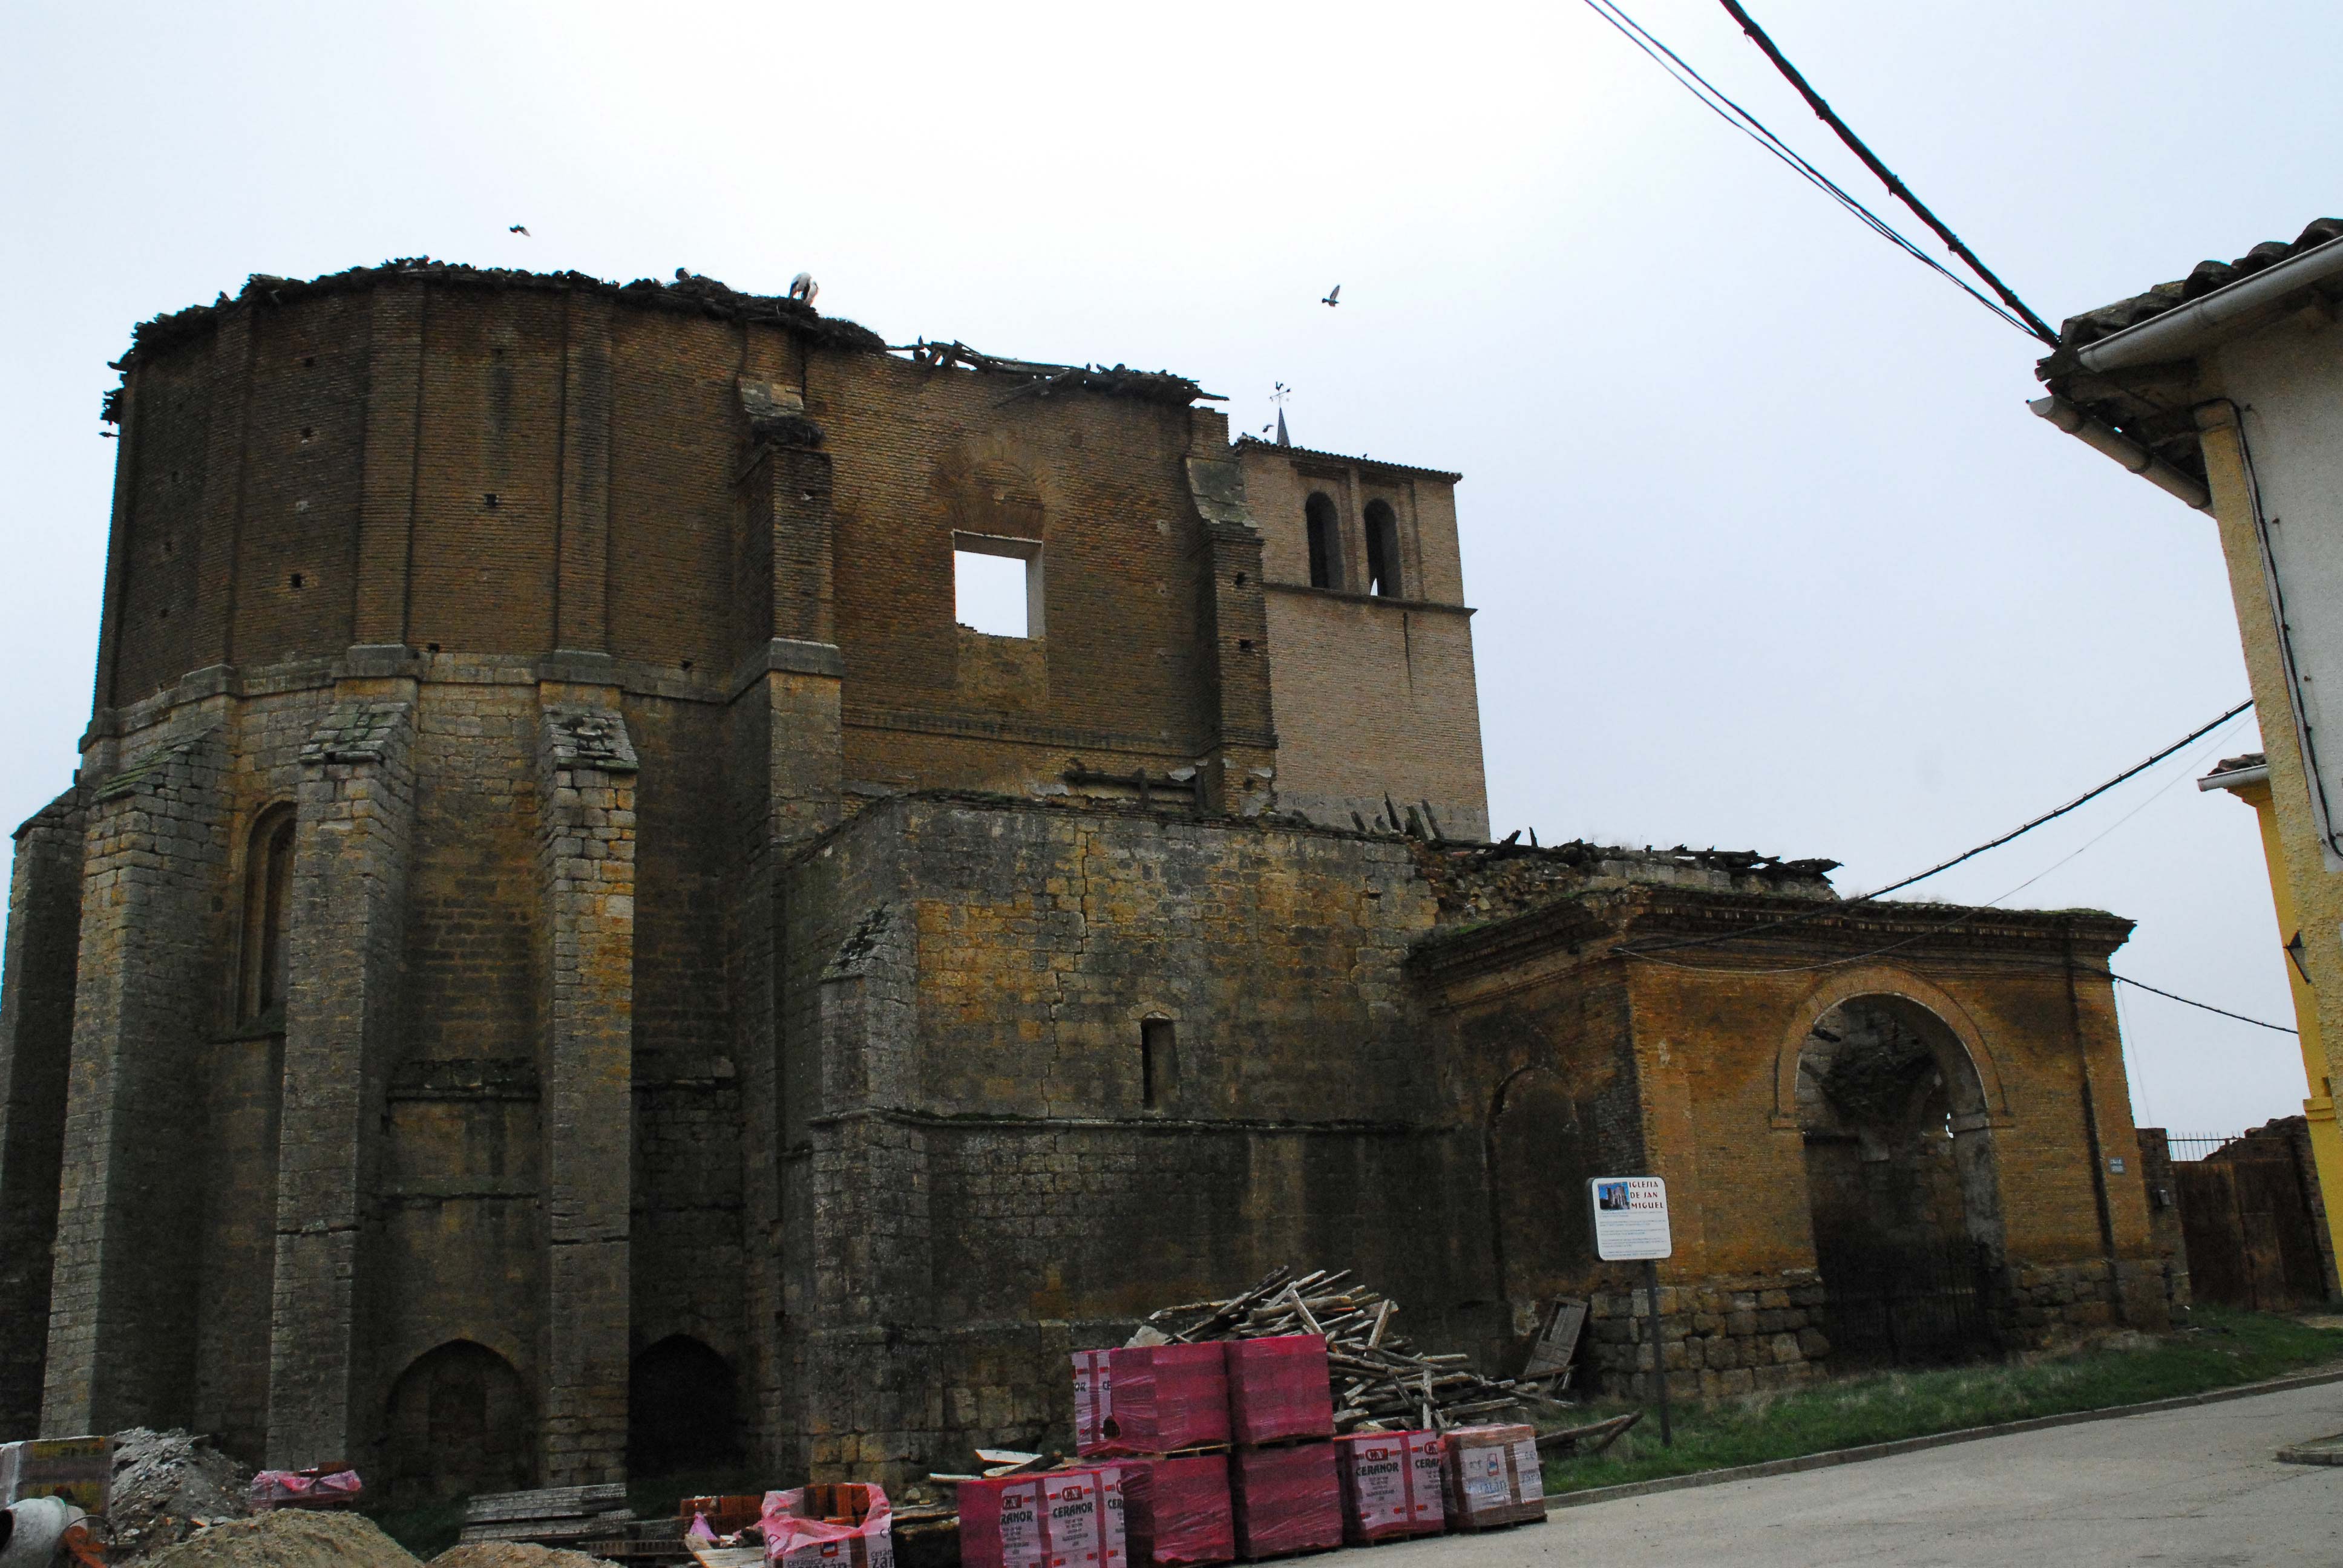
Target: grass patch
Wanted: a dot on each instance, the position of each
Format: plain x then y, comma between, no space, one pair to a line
2225,1348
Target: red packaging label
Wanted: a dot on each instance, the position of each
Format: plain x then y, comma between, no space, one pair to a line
1390,1486
1114,1541
1094,1402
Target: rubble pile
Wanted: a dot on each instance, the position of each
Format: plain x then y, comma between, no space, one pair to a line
512,1554
288,1538
1380,1382
166,1485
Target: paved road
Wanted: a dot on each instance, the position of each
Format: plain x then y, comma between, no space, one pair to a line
2195,1487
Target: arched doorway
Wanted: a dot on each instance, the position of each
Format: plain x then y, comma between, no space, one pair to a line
681,1409
1901,1183
460,1423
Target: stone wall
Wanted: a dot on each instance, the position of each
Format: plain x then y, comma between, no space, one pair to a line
985,1150
122,1318
1721,1335
36,1003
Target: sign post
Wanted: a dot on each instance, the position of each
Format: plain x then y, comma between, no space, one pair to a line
1630,1225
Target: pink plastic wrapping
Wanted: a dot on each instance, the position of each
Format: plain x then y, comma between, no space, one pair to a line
1278,1388
1114,1536
1093,1402
1048,1519
793,1540
1177,1511
1390,1486
292,1489
1285,1500
1168,1397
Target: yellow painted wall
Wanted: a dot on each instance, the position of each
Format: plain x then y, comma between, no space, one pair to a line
2309,896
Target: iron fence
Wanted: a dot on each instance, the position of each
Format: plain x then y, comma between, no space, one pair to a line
1901,1308
2186,1146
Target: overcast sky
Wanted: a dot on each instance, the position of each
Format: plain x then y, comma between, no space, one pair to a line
1768,551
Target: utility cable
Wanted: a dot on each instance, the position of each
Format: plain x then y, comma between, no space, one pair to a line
1956,918
1837,906
1896,187
1718,104
2190,1001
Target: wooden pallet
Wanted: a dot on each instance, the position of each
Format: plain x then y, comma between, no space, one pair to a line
553,1515
1458,1526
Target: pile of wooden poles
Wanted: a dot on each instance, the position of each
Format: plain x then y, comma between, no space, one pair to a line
1380,1382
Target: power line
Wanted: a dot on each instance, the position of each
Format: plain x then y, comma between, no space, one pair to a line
1718,104
2136,769
2206,1006
1896,187
1839,906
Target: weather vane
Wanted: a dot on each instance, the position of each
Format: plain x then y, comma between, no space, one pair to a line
1278,395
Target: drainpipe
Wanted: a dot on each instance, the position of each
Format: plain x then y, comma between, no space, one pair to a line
2122,449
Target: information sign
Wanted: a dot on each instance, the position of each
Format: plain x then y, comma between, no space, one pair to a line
1631,1218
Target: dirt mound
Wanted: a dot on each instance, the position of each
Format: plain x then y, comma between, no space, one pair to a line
165,1484
289,1538
512,1554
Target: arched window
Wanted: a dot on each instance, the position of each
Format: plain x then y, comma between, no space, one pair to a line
1325,527
460,1423
267,901
1383,551
681,1409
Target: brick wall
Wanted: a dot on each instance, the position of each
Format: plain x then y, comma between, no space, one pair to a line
1713,1043
1375,697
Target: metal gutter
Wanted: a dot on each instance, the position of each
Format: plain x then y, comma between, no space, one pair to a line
2122,449
2235,778
2180,332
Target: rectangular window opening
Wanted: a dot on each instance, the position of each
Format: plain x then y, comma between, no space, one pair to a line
1158,1062
997,585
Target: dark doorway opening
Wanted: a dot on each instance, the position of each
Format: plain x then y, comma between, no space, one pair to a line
681,1409
1901,1183
460,1423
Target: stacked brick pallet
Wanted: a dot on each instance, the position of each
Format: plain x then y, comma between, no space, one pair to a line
1226,1450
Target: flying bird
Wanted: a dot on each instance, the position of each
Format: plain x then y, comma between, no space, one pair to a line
519,228
1334,296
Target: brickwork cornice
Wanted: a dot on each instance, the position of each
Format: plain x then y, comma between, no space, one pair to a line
1380,601
1773,930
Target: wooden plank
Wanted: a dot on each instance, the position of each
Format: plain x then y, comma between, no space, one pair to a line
547,1502
1559,1342
729,1556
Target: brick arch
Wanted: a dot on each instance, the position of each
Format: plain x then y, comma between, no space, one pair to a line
1881,980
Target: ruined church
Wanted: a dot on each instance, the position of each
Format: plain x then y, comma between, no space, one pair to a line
563,955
